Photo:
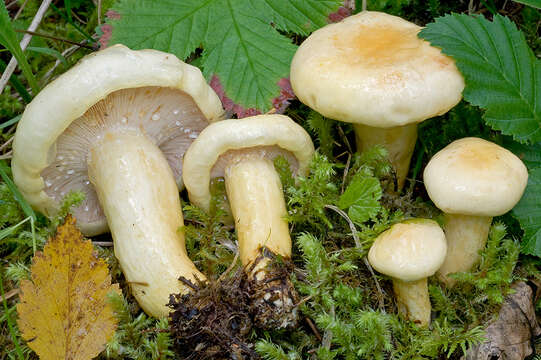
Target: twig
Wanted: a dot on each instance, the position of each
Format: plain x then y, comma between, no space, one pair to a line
99,12
7,155
340,212
313,327
10,294
103,243
24,43
4,145
11,4
20,11
69,51
346,170
81,44
233,263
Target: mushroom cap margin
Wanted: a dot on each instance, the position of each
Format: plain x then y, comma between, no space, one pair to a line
233,134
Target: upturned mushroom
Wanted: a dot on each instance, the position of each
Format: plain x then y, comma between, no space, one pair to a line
472,180
242,152
115,126
372,70
410,252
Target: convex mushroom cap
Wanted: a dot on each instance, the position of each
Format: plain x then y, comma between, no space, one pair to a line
472,176
409,251
371,68
114,89
265,136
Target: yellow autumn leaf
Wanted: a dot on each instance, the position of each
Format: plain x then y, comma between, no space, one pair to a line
63,311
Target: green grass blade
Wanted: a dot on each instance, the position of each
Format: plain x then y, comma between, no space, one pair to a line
9,321
17,85
8,39
10,230
27,209
73,23
10,122
48,51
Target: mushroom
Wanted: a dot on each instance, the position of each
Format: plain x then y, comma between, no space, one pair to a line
115,127
471,180
242,152
409,252
372,70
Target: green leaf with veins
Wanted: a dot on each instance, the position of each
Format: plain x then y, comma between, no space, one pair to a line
240,43
528,213
361,198
502,74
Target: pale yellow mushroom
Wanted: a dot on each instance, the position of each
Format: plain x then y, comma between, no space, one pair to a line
410,252
372,70
472,180
242,152
115,126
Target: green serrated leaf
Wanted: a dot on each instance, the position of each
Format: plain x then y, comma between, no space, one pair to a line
361,198
240,38
528,213
529,154
502,74
533,3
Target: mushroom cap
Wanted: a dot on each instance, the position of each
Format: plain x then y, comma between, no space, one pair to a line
262,133
371,68
106,89
472,176
409,251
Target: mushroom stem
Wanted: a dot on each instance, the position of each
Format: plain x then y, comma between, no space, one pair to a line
413,301
399,142
257,201
139,196
466,236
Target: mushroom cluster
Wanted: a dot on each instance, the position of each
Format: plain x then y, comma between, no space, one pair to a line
115,126
129,128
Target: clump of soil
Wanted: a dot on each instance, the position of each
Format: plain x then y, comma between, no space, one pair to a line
216,319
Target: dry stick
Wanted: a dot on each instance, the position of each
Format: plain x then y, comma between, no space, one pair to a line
7,155
69,51
10,294
103,243
340,212
348,162
55,38
3,146
24,43
230,267
99,12
20,11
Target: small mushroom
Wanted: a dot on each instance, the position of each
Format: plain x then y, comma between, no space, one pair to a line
242,152
471,180
115,127
372,70
410,252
